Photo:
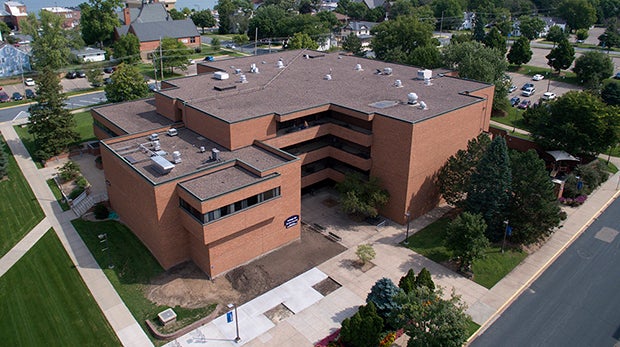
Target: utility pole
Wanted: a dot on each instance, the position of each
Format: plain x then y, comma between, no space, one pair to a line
161,61
441,25
255,40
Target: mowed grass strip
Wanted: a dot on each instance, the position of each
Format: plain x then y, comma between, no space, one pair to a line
45,303
489,270
19,209
57,194
134,267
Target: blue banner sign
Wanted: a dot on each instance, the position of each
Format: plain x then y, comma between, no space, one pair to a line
229,317
291,221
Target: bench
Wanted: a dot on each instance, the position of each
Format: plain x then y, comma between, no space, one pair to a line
333,237
318,226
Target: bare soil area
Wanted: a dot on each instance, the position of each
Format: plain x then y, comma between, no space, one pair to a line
187,286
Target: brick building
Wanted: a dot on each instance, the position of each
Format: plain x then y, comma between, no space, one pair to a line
251,133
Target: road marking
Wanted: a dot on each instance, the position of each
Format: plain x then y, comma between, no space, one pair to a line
606,234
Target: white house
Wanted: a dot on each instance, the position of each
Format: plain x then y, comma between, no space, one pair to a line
89,54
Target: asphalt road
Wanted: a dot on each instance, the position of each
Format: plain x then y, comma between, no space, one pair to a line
576,302
77,101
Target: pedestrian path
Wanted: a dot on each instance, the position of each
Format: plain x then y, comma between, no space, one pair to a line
123,323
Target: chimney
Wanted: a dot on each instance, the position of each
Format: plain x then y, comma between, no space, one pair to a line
126,15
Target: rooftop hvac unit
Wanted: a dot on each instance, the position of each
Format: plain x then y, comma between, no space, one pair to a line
387,71
220,75
243,79
358,67
176,157
161,165
425,74
427,82
253,68
202,149
412,98
237,71
423,105
172,132
153,137
398,84
328,77
215,154
156,145
280,64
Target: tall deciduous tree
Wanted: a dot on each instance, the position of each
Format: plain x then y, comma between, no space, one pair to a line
531,27
577,122
50,46
360,197
51,125
454,176
592,68
578,14
98,20
127,84
520,52
127,49
611,93
495,39
489,189
555,35
475,61
611,37
267,20
427,57
534,209
466,239
353,44
401,36
203,19
173,54
302,40
225,9
176,14
562,56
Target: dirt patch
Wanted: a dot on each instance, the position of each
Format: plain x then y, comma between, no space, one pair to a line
187,286
326,286
278,313
329,202
358,265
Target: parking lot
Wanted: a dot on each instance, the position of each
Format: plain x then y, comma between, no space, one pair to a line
557,87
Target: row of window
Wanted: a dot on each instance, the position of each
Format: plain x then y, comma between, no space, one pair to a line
230,209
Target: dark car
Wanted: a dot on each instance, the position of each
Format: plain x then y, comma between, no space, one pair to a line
515,101
107,80
109,69
17,96
80,74
209,58
524,104
71,75
29,94
4,97
617,76
526,86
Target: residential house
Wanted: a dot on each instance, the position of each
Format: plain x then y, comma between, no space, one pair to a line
468,21
213,167
89,54
13,61
361,30
549,22
71,16
168,4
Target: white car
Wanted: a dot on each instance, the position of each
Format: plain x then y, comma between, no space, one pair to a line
548,96
538,77
29,82
529,91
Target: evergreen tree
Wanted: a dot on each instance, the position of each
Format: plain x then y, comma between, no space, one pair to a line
466,239
424,279
127,84
562,56
363,329
534,208
51,125
407,282
4,161
520,52
489,189
495,39
479,33
382,295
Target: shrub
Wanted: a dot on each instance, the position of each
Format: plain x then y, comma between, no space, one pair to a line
101,211
424,279
75,193
4,161
81,182
69,171
365,253
407,282
363,329
198,49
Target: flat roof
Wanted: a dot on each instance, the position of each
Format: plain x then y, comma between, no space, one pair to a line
134,116
220,182
137,153
302,84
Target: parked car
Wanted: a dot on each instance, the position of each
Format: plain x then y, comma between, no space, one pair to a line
80,74
71,75
29,82
512,88
231,46
209,58
30,94
514,101
17,96
548,96
524,104
109,69
538,77
617,76
4,97
527,85
107,80
528,91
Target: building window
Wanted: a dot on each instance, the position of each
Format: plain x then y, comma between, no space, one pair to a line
192,39
229,209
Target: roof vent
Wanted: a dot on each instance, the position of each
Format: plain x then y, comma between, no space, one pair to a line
156,145
202,149
398,84
215,154
253,68
243,79
423,105
387,71
280,64
237,71
172,132
412,99
176,157
424,74
358,67
328,77
153,137
427,82
306,56
220,75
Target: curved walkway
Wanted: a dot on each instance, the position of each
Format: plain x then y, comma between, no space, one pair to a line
124,324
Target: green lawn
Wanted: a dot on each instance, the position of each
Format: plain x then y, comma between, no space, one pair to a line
44,302
565,76
489,270
57,194
83,125
19,209
134,267
472,327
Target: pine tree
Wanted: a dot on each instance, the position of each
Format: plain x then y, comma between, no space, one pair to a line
407,282
51,125
4,161
382,295
489,189
424,279
363,329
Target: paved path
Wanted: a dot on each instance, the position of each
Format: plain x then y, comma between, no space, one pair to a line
124,324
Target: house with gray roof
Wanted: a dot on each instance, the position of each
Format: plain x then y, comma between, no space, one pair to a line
361,29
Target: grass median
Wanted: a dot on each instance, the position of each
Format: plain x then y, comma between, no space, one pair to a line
489,270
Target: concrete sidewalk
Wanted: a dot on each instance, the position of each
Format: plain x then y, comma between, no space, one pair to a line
126,327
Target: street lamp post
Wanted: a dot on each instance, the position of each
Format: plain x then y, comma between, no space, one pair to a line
550,72
234,306
407,215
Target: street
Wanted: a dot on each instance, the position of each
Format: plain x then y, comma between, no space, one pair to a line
575,302
73,102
